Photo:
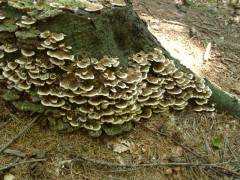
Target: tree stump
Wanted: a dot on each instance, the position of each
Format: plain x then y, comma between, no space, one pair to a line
94,65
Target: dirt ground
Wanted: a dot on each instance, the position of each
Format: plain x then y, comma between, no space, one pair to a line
210,139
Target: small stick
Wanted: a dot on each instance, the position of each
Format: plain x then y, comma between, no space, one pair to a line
183,164
10,165
5,123
15,153
207,53
19,134
174,141
12,118
159,164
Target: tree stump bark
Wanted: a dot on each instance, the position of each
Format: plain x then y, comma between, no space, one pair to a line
57,36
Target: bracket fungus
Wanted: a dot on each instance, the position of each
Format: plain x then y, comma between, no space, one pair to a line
94,93
119,3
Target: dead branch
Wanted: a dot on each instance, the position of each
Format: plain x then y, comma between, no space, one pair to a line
20,133
10,165
14,152
184,146
215,166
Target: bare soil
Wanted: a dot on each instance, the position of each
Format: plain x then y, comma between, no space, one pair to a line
179,137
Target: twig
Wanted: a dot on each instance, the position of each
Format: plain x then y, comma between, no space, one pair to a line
212,166
207,29
12,118
10,165
173,23
5,123
15,153
19,134
230,59
174,141
207,53
157,164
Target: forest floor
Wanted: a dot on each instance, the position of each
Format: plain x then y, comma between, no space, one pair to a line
182,139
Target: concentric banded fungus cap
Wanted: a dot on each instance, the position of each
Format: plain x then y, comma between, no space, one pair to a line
22,75
8,73
94,115
178,74
57,61
158,68
189,76
60,92
147,113
27,53
180,102
201,101
183,83
38,82
120,3
100,67
96,101
56,5
14,78
109,62
210,109
122,104
2,16
198,108
9,48
84,63
158,94
133,76
170,85
122,85
78,100
70,82
44,45
109,75
53,102
61,55
24,86
45,34
152,79
74,123
145,69
57,36
146,92
93,7
151,102
174,91
88,87
107,119
86,109
93,127
170,69
27,20
178,107
12,65
85,75
201,85
121,75
1,54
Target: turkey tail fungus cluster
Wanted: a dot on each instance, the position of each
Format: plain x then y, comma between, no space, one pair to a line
72,62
